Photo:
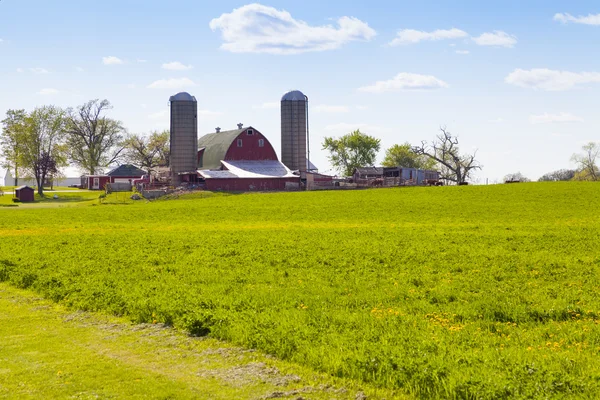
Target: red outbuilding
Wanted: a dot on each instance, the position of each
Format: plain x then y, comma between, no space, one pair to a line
124,173
241,160
25,194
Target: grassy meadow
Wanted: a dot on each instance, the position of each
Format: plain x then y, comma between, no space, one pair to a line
454,292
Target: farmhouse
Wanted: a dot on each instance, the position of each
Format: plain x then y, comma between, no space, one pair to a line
242,159
123,174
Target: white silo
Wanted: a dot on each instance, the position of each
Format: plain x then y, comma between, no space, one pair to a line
184,135
294,131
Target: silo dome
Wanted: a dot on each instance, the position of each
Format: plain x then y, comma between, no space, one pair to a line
294,95
182,96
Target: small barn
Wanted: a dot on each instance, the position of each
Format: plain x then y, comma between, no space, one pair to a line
25,194
123,174
362,175
411,176
241,160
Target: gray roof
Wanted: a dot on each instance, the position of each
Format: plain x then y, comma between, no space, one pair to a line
370,170
216,146
182,96
126,170
294,95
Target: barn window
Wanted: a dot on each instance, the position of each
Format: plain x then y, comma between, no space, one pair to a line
250,132
239,142
261,142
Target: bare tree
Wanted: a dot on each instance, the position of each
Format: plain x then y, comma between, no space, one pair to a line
559,175
586,162
95,141
516,177
444,150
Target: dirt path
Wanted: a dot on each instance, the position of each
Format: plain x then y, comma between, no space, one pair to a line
49,352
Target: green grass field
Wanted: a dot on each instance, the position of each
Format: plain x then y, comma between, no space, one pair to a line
462,292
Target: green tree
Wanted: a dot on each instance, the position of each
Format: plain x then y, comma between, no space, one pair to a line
353,150
95,141
402,155
148,152
587,167
42,150
12,135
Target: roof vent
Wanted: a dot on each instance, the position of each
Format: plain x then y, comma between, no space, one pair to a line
240,125
218,129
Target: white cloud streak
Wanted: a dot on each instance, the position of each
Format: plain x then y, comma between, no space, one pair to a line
496,38
173,83
323,108
176,66
550,80
111,60
48,92
412,36
255,28
39,71
554,118
462,52
590,19
406,81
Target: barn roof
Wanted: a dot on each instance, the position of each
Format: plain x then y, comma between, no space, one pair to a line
370,170
126,170
215,147
24,187
250,169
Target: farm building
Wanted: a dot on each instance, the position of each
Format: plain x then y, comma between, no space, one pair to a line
123,174
411,176
367,173
6,178
24,194
242,159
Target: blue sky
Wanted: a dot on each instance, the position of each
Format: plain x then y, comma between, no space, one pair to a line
519,81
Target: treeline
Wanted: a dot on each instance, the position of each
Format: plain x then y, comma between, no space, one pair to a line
40,143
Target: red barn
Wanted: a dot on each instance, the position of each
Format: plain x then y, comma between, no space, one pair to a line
242,160
25,194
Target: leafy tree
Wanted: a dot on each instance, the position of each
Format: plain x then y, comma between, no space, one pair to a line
41,149
586,162
12,132
402,155
455,167
353,150
559,175
95,141
148,152
516,177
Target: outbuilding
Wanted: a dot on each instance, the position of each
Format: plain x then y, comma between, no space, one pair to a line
126,173
25,194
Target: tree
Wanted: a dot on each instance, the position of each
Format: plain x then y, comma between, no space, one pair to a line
444,150
402,155
353,150
586,162
12,132
148,152
95,141
41,149
559,175
516,177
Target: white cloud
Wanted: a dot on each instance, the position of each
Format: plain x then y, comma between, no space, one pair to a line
39,71
142,61
343,128
550,80
176,66
554,118
111,60
411,36
406,81
48,92
462,52
590,19
173,83
255,28
496,38
267,106
20,70
331,109
1,40
362,108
